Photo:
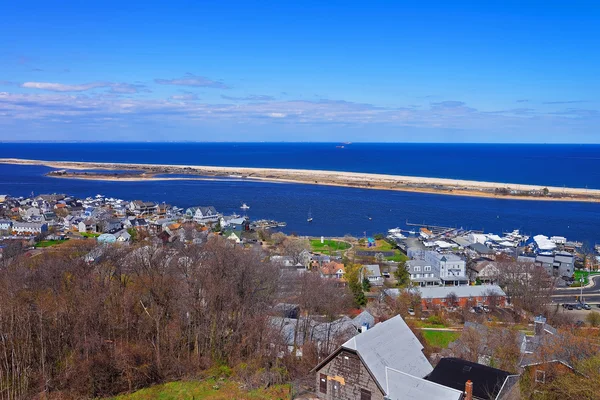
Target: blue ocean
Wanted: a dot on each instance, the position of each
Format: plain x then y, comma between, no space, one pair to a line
338,211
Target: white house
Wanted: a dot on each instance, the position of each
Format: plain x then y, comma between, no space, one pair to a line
29,228
452,267
203,215
372,273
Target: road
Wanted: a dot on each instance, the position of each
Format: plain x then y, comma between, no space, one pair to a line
591,293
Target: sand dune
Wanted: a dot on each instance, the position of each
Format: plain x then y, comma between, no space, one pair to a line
455,187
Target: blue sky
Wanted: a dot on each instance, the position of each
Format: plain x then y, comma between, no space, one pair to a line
407,71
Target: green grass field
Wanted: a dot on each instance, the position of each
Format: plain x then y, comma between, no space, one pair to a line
48,243
440,339
209,389
328,246
89,235
579,273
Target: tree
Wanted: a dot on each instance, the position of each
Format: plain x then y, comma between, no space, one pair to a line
593,319
294,247
355,284
402,275
526,285
451,299
545,191
366,285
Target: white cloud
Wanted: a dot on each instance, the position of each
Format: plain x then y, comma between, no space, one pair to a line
193,80
60,87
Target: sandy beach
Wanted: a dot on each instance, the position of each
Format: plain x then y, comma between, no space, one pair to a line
444,186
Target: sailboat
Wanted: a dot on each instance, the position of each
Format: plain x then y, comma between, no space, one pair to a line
310,218
245,207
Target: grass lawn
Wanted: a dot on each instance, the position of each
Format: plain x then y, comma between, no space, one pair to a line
380,245
48,243
398,257
440,339
579,273
209,389
89,235
328,246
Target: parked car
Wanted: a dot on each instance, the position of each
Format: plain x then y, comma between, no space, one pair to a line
578,306
569,306
586,306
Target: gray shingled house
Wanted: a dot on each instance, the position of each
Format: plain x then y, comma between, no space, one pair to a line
384,362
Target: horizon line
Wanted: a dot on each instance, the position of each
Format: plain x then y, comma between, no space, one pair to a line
348,143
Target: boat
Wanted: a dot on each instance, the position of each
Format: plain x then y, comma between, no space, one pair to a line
310,218
245,207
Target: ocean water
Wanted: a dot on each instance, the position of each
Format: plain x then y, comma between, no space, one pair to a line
336,210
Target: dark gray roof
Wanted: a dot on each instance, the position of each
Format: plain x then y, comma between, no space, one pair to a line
364,318
481,248
455,372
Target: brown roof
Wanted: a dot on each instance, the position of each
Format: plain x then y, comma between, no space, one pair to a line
331,268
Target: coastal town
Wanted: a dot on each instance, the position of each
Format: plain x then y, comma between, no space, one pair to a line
377,316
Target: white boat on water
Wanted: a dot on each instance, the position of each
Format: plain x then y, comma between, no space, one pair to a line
245,206
310,218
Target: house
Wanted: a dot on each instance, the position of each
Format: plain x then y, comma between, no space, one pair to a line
316,260
483,382
139,207
235,223
122,236
384,362
5,225
111,225
423,273
294,333
203,215
483,250
559,264
87,226
372,273
332,269
233,236
29,228
31,213
287,310
432,296
452,267
486,271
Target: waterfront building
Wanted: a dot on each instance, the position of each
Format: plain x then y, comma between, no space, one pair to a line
452,267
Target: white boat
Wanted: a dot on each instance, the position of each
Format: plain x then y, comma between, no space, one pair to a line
245,207
310,218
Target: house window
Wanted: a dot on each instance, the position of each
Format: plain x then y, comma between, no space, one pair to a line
427,268
323,383
417,268
540,376
365,394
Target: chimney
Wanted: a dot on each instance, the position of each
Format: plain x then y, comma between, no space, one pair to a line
469,390
539,322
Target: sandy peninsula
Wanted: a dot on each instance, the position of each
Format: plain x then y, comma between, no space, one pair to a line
151,172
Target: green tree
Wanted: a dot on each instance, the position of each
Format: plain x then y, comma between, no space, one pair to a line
402,276
355,285
133,233
366,285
